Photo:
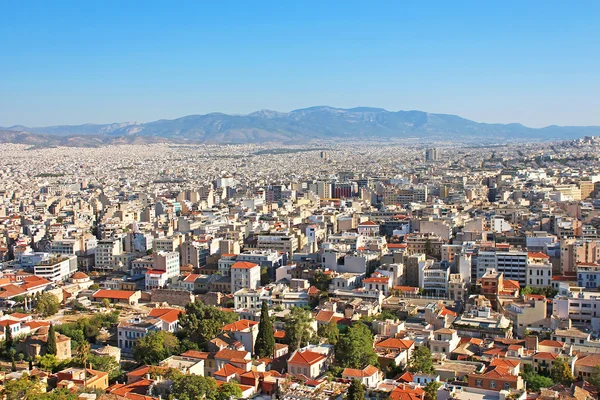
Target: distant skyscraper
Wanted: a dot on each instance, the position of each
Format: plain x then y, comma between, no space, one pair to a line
431,155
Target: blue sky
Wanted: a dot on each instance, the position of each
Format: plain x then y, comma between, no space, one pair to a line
534,62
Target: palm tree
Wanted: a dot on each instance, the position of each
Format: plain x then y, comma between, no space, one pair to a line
83,351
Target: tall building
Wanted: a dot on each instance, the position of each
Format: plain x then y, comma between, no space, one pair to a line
431,155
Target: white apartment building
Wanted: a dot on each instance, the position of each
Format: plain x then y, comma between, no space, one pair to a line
251,299
106,250
244,275
539,272
580,306
434,278
168,262
56,269
284,242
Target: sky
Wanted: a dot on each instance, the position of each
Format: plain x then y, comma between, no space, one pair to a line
533,62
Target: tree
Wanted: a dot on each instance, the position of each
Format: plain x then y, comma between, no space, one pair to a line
535,382
298,330
8,342
421,361
355,347
155,347
561,372
202,323
431,390
59,394
229,390
51,342
47,304
265,341
356,390
106,364
95,286
329,332
24,388
322,281
48,362
192,387
106,303
428,247
595,377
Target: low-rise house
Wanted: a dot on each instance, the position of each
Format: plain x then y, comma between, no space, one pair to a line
168,316
245,331
369,376
496,378
308,363
394,350
78,378
118,296
444,341
36,345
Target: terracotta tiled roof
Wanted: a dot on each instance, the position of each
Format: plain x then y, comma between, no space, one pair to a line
243,265
396,344
113,294
239,326
306,357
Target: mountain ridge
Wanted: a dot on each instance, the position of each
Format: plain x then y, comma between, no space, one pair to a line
300,125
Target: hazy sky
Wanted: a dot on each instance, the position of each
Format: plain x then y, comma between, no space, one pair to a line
534,62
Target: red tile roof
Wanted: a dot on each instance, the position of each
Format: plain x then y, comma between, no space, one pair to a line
306,357
239,326
243,265
113,294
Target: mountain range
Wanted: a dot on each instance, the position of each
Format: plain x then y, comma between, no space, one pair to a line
298,126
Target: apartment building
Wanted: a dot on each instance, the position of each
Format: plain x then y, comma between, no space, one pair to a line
106,250
512,264
244,275
56,269
538,270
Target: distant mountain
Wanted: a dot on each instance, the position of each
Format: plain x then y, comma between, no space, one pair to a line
296,126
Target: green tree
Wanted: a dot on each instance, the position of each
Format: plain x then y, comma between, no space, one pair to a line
202,323
428,247
106,303
321,281
421,361
431,390
95,286
155,347
355,347
534,381
298,330
59,394
561,372
51,342
356,390
329,332
595,377
47,304
229,390
24,388
192,387
106,364
8,342
48,362
265,341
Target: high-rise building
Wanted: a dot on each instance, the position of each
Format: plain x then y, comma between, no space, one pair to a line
431,155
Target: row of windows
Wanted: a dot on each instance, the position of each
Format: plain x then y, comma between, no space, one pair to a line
479,383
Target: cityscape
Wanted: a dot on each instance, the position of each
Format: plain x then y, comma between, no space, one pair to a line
315,200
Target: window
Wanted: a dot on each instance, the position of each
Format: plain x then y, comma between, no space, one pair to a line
506,386
493,385
479,383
